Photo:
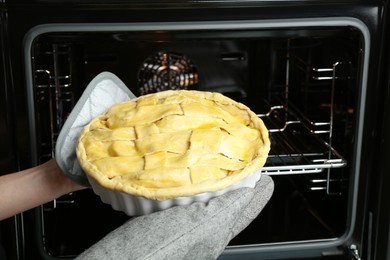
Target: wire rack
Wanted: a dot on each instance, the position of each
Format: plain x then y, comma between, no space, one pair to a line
295,145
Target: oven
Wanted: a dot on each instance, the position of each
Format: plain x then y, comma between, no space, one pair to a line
314,71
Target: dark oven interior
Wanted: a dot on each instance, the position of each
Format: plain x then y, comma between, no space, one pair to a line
303,82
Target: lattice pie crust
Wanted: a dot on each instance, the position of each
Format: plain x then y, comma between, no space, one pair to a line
173,143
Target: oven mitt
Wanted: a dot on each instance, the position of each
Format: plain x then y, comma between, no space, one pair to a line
102,92
198,231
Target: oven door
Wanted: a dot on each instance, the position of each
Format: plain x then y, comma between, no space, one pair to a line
10,229
378,203
256,43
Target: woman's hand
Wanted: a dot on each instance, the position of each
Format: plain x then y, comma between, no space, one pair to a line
32,187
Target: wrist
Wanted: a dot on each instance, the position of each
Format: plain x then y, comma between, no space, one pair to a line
57,182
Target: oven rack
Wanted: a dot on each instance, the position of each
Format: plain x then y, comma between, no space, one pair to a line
296,147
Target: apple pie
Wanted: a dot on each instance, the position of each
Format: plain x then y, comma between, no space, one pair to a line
173,143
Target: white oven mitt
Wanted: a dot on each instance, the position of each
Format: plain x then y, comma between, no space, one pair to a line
198,231
102,92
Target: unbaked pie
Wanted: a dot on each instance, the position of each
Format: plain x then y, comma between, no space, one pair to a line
173,143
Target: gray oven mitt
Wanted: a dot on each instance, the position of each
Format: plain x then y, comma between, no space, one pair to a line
198,231
102,92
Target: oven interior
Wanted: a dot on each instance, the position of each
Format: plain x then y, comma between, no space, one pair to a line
303,82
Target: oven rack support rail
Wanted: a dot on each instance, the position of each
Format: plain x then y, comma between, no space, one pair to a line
298,144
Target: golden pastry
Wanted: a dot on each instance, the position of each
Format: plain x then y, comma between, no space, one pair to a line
173,143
